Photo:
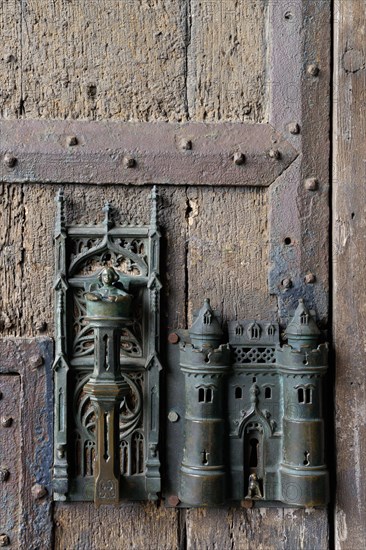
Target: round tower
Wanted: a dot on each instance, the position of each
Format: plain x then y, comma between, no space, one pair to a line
204,364
302,364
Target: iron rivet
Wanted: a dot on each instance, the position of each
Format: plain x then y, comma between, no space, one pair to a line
287,283
9,160
36,361
4,474
274,154
173,500
129,162
246,503
4,540
310,278
71,141
313,70
239,158
186,144
173,416
38,491
311,184
173,338
6,421
41,326
294,128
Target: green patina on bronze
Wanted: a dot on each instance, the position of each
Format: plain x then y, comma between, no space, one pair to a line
253,426
106,367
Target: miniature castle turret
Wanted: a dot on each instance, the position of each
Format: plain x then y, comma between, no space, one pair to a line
204,363
303,474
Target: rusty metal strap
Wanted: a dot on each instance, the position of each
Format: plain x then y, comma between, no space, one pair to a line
142,153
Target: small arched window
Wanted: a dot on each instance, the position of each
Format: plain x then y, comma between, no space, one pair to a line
201,395
238,392
300,395
268,393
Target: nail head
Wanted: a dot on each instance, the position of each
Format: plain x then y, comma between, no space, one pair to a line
9,160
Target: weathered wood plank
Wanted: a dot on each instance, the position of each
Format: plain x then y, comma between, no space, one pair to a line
261,529
226,76
349,258
10,59
227,252
104,59
140,526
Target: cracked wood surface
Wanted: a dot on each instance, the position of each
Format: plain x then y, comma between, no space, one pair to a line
349,258
145,60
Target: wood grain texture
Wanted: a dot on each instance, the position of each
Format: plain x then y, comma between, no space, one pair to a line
261,529
226,77
349,258
227,252
139,526
10,59
104,59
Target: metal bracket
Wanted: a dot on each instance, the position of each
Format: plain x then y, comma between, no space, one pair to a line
140,153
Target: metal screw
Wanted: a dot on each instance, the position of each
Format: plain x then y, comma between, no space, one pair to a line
274,154
36,361
71,141
310,278
173,500
4,540
9,160
173,416
129,162
6,421
38,491
173,338
313,70
186,144
239,158
4,474
287,283
311,184
294,128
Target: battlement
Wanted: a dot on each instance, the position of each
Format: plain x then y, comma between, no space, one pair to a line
303,359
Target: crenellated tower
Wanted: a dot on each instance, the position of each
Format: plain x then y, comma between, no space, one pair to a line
302,364
205,364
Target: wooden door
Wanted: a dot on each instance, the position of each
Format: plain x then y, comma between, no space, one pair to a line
254,248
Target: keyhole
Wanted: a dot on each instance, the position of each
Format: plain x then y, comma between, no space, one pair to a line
306,461
205,456
253,460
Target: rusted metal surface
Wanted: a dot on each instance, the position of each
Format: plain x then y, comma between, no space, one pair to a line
141,153
26,444
300,107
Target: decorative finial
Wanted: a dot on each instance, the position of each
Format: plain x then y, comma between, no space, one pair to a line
108,224
154,208
60,224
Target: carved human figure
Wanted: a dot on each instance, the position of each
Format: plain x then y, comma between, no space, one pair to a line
254,491
107,292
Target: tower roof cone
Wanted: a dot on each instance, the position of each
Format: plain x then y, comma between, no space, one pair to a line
206,331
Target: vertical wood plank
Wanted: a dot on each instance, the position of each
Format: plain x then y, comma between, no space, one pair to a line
349,258
104,59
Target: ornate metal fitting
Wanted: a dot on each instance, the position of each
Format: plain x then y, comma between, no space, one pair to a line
106,369
270,398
